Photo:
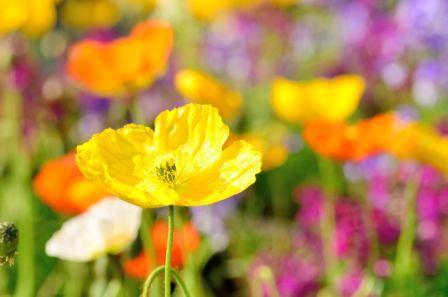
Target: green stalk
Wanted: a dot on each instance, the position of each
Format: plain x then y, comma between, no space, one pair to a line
156,273
403,260
169,247
135,110
150,279
167,268
328,224
16,188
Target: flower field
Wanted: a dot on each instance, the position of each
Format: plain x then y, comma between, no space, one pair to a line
228,148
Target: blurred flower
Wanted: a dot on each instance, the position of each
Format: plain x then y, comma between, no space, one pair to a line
273,154
355,142
350,282
211,220
107,68
311,199
352,241
202,88
350,238
9,238
108,226
62,186
284,275
208,10
180,163
249,48
425,33
211,9
271,141
34,17
319,99
372,42
136,7
426,21
423,144
386,183
87,14
186,240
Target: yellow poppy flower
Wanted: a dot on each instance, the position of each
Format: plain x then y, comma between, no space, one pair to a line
423,144
271,141
34,17
319,99
136,7
211,9
200,87
102,13
181,162
12,15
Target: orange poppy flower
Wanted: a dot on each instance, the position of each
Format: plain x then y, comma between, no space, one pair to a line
63,188
354,142
186,240
124,65
423,144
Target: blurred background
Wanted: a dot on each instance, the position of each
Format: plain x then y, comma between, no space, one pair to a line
335,212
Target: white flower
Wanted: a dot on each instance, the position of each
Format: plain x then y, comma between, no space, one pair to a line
108,226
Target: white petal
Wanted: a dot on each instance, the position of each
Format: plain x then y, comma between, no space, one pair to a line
108,226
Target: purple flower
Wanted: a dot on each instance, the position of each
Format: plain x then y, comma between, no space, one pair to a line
235,46
350,282
211,220
287,275
350,235
310,199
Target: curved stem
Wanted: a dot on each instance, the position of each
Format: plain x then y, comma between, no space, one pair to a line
155,273
180,282
167,268
169,247
151,279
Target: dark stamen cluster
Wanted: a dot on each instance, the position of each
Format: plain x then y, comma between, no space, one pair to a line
166,172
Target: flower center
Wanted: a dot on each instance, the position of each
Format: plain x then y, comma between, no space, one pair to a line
166,172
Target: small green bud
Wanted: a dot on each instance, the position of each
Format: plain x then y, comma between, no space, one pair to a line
9,238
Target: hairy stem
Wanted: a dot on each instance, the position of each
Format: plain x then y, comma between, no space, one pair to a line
169,247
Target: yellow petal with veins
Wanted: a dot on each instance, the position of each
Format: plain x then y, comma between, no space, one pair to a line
194,134
230,175
115,160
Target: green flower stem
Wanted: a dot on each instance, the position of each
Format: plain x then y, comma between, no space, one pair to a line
155,273
167,268
150,279
169,247
403,260
135,110
328,223
180,282
14,186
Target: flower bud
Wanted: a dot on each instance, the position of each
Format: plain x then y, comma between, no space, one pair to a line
9,237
